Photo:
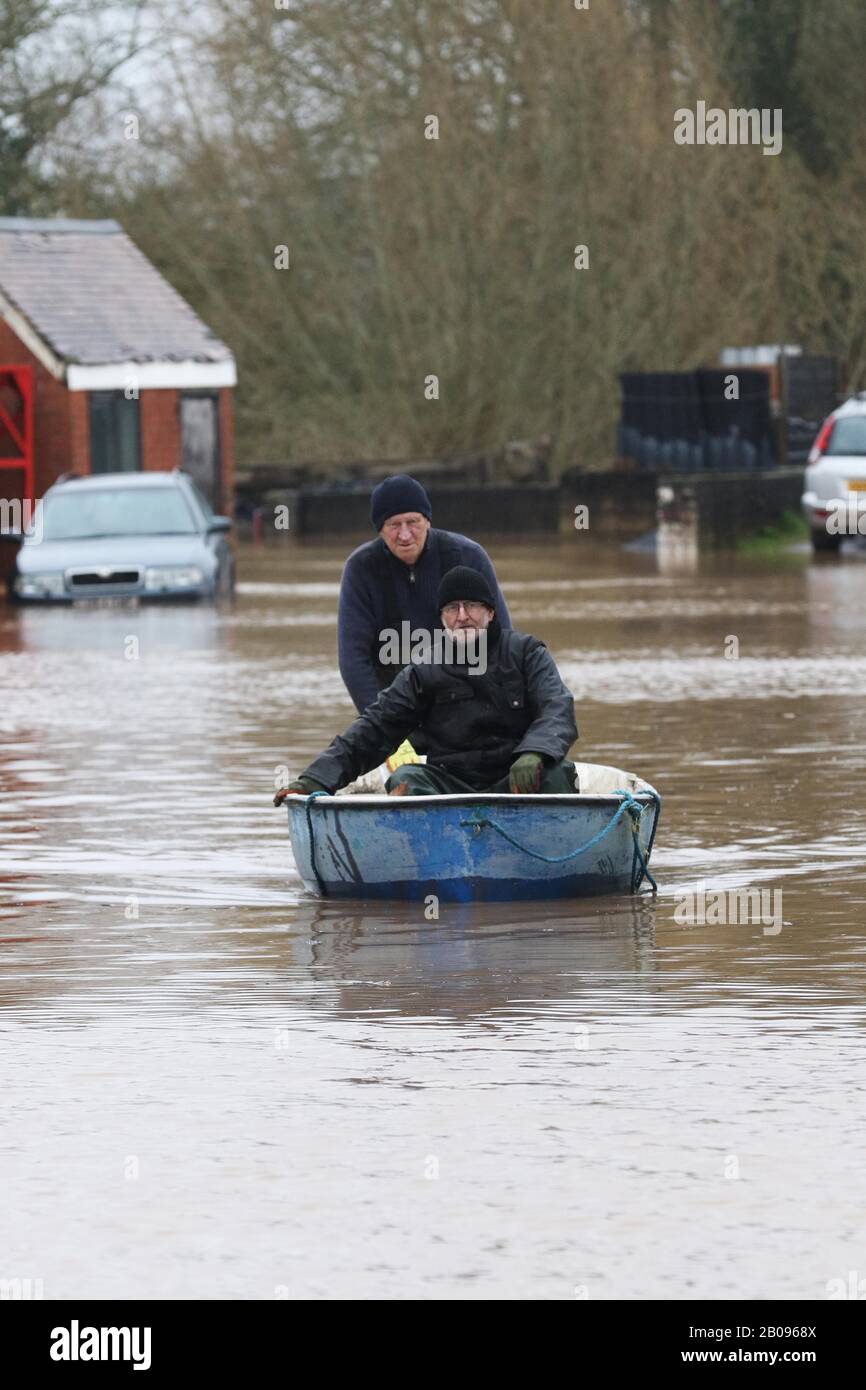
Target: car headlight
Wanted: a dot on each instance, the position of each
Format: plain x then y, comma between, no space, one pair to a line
40,586
173,577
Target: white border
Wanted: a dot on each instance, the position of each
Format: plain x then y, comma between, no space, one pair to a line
152,376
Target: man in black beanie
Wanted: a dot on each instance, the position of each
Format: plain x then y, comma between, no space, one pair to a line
504,726
393,580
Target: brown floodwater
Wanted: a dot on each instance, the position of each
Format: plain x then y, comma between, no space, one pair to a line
215,1086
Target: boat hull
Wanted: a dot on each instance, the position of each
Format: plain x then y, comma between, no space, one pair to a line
484,848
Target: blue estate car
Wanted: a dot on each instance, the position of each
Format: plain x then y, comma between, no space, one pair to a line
122,535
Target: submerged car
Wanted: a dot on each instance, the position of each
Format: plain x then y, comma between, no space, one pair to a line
124,535
834,496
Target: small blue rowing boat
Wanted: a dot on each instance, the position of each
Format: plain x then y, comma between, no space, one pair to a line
483,847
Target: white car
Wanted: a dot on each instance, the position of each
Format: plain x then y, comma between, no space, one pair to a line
834,499
124,535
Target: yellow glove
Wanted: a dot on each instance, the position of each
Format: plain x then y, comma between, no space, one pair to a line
404,754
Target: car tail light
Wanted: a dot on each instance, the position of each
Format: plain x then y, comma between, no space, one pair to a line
823,439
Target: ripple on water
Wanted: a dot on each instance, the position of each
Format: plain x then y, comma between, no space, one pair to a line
505,1102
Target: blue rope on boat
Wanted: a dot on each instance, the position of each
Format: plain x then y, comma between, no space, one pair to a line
308,808
635,811
636,816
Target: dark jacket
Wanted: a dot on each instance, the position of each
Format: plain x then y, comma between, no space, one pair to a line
474,725
378,591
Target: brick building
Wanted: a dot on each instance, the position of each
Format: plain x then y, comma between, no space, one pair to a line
103,366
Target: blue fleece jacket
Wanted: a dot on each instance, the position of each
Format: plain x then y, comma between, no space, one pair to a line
365,607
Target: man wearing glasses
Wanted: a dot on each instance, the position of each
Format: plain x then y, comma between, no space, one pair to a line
393,581
507,728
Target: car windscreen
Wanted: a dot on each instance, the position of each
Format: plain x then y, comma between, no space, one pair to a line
849,436
158,511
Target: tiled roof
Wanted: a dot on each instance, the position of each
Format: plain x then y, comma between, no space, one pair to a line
93,298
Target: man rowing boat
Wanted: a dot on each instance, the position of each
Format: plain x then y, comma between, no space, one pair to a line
503,724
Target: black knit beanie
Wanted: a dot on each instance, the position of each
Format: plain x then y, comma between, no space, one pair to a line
466,584
397,494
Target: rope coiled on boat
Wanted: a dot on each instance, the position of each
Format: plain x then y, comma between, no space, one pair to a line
629,805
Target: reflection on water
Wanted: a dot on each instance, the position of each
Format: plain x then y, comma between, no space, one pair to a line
217,1086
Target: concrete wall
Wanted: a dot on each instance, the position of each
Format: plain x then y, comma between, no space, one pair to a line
723,507
506,510
621,506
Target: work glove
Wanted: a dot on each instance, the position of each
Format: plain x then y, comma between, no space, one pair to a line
525,775
302,786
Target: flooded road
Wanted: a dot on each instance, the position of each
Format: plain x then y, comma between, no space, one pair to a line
215,1086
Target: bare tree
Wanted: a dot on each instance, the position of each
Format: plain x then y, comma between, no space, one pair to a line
432,171
54,55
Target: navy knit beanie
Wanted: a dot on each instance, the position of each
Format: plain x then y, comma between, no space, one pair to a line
397,494
466,584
